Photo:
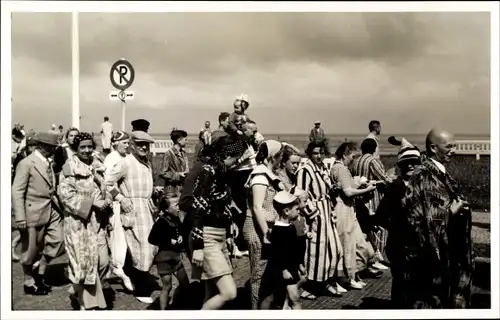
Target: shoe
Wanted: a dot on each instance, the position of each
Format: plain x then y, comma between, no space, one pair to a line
362,283
147,300
40,283
333,291
127,283
15,256
379,266
355,285
239,254
35,291
340,289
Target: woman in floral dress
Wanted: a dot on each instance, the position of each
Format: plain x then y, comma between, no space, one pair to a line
86,208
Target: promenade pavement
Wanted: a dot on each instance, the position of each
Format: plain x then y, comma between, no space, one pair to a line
376,295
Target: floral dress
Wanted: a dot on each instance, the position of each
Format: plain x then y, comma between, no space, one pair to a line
84,228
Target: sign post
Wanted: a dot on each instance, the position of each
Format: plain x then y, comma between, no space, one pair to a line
122,75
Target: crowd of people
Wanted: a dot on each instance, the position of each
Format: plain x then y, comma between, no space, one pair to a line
310,227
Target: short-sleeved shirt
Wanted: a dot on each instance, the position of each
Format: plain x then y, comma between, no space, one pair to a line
341,177
263,179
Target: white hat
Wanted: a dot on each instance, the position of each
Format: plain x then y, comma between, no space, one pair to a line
284,197
243,97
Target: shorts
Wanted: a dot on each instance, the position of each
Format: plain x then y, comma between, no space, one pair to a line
168,262
216,261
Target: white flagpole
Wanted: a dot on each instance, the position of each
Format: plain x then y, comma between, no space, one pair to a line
75,39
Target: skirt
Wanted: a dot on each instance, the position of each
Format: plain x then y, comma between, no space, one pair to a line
216,262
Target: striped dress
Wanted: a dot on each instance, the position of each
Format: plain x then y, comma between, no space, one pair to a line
135,182
372,168
324,252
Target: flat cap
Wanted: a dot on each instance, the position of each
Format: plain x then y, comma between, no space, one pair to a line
47,138
141,136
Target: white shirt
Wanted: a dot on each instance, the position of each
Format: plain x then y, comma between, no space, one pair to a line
439,165
377,150
107,133
111,160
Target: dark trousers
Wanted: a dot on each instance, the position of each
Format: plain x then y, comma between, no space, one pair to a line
237,180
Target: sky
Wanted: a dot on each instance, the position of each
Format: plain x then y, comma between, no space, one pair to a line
411,71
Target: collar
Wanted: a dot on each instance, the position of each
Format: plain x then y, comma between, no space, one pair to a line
176,151
41,157
373,136
280,223
439,165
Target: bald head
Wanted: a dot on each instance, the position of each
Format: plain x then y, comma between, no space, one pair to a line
440,144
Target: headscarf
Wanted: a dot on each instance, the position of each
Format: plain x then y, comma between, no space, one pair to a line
82,136
119,136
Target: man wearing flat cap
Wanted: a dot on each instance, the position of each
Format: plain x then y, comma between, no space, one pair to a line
140,125
37,212
130,182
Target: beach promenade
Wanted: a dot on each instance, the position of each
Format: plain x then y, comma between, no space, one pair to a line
375,296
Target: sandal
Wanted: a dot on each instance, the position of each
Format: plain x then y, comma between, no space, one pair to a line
308,296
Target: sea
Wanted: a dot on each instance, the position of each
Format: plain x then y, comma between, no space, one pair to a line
301,140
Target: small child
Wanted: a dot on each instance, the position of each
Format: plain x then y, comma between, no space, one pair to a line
238,117
283,268
167,235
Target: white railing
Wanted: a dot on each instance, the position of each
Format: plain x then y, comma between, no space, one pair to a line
464,147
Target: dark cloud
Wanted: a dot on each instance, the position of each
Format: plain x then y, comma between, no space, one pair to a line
345,64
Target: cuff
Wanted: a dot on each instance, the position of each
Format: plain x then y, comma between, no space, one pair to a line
84,210
197,238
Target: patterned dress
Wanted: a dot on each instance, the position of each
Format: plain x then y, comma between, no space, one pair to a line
438,253
251,231
135,182
84,228
324,252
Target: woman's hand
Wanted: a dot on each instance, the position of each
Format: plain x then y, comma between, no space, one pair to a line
267,237
126,205
198,258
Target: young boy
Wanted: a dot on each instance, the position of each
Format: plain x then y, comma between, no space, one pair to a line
283,269
168,237
238,117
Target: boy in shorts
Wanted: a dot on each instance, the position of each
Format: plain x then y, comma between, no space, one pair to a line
170,246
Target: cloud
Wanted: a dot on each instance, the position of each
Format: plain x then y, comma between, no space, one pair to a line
341,63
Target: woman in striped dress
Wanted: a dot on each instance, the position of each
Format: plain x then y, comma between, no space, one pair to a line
323,252
372,168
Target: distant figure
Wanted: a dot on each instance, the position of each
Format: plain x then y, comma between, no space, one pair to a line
61,134
438,255
375,130
206,133
106,135
317,134
140,125
53,129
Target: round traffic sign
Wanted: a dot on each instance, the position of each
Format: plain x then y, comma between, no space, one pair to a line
122,74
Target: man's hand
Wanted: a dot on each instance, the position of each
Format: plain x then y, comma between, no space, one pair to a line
126,205
198,257
21,225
